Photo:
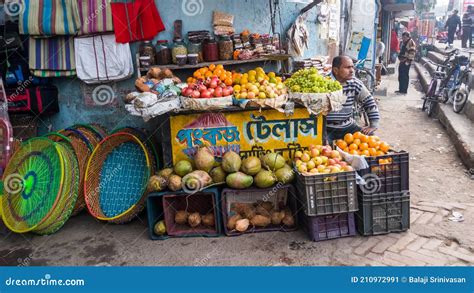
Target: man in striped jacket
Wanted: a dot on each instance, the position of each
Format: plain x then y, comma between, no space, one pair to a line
342,122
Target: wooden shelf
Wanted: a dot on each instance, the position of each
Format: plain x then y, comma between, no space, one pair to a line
225,63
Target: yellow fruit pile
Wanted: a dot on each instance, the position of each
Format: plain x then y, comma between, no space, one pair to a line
256,84
363,145
320,160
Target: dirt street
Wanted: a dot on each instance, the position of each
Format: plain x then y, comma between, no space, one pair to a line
439,185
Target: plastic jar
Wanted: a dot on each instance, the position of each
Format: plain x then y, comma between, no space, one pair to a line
178,49
163,53
226,48
193,59
195,48
181,60
210,50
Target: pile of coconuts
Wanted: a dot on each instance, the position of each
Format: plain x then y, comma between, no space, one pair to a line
191,176
258,215
204,171
194,220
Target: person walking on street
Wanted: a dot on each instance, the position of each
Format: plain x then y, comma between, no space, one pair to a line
406,57
466,27
452,24
342,122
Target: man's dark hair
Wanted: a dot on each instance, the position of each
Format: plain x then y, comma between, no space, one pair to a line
455,11
337,61
406,34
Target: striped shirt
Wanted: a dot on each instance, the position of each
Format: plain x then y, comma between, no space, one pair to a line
356,92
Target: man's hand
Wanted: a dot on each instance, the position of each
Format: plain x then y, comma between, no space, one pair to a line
368,130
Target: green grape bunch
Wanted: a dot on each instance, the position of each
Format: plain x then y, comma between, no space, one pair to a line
310,81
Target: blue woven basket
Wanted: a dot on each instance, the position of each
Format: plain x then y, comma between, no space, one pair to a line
116,178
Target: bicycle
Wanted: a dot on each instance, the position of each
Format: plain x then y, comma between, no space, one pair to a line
438,88
365,75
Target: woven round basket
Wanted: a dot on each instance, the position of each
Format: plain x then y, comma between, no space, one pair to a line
100,129
92,134
116,178
32,185
69,192
82,152
142,135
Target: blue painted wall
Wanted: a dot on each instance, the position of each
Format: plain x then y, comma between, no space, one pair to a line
252,15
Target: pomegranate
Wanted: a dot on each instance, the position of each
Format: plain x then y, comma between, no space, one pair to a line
205,94
196,94
218,92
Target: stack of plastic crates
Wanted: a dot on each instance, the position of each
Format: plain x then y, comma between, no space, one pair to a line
327,203
384,199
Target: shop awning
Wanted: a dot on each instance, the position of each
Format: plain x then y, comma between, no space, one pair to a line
398,5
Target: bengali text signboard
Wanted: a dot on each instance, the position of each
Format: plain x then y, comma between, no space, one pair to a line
250,133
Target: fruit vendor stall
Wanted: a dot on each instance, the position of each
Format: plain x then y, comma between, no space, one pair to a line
239,148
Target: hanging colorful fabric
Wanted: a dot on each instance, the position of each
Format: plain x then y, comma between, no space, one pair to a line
52,57
49,17
100,59
95,16
136,20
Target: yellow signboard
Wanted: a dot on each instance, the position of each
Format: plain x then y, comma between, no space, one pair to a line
250,133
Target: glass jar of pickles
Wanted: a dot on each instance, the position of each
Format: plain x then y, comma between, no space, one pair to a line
195,48
147,55
226,48
210,50
163,53
179,48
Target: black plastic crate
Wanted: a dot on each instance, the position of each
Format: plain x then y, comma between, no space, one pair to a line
328,194
280,196
163,205
383,213
383,177
328,227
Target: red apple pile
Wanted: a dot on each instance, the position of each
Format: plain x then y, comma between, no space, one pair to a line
208,88
320,160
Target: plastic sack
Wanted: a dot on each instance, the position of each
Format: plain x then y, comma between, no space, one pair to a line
221,18
320,103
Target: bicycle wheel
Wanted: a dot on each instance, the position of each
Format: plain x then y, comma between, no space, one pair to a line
430,93
460,98
430,107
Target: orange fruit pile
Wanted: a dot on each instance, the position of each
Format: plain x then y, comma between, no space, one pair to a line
218,70
363,145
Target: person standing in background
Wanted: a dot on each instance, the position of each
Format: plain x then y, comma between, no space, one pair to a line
466,27
407,55
452,24
394,47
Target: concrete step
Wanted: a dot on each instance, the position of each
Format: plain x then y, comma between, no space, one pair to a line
436,57
469,108
460,130
441,50
429,66
423,75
